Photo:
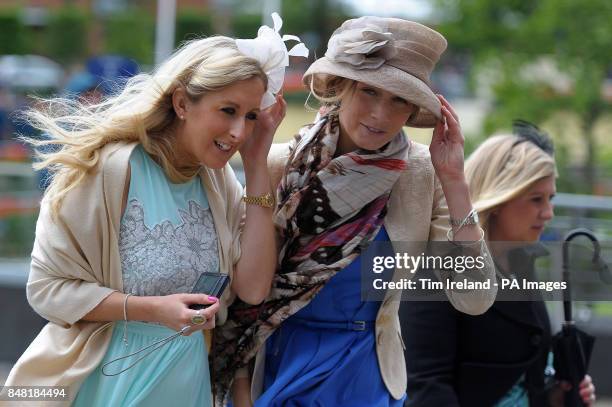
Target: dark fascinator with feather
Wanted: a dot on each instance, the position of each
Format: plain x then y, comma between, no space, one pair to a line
531,133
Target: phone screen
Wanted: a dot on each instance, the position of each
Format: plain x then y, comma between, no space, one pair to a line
211,284
207,284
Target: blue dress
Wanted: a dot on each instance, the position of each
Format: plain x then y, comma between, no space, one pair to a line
310,361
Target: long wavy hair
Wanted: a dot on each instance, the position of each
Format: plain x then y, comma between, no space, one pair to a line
142,111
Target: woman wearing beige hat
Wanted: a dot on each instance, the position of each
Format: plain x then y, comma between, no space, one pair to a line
350,178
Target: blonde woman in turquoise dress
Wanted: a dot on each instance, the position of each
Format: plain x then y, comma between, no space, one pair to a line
142,202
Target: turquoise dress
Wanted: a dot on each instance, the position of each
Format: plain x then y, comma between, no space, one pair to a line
517,396
325,354
167,239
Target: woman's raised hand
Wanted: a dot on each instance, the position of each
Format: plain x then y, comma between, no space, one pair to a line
255,149
446,146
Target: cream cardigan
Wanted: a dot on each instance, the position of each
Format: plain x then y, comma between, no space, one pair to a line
76,264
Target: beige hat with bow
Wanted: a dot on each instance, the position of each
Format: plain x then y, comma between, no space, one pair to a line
389,53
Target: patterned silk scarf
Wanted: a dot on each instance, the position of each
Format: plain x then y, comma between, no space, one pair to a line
329,210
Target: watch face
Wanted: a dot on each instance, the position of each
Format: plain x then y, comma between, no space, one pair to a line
269,200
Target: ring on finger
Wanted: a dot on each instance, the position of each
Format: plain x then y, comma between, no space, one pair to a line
198,318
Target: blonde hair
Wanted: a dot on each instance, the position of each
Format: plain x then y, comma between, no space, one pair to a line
142,112
502,168
329,90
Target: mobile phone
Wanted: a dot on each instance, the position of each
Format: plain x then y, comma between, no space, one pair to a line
211,284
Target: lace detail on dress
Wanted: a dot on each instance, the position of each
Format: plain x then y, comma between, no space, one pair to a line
166,259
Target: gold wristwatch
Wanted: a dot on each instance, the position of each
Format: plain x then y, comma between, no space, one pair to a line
267,200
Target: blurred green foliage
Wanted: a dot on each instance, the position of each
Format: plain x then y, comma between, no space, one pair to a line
17,235
245,25
131,34
506,38
192,24
318,18
312,20
12,33
67,34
